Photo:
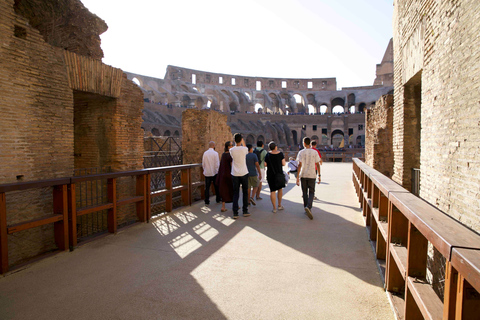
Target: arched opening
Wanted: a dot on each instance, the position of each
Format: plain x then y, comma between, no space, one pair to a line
258,108
251,140
155,132
176,133
209,104
275,102
351,99
315,138
361,107
338,109
311,109
295,137
249,96
261,138
360,141
323,109
185,100
324,139
233,106
167,133
337,138
352,109
298,99
136,81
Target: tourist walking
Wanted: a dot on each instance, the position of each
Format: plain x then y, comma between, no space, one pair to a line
210,164
307,160
261,153
254,173
274,161
239,175
224,177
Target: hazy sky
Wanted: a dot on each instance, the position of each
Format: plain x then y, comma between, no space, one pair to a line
283,38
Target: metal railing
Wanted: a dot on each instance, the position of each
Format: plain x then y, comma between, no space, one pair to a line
66,211
410,236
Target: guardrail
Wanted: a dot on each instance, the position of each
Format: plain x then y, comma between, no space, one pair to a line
401,227
65,212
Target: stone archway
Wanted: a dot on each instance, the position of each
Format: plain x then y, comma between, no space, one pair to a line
337,138
250,140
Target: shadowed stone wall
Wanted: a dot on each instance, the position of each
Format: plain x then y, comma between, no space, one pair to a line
61,110
378,136
436,110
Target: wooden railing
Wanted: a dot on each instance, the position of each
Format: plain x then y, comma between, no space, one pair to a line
401,226
65,213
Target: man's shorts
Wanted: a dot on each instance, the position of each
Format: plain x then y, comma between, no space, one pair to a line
264,176
253,181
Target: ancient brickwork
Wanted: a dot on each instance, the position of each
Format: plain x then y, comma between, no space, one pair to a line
378,136
199,128
436,108
47,126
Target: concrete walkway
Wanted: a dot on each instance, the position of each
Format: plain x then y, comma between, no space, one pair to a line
199,263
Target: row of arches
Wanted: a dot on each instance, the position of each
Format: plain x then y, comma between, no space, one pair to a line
167,133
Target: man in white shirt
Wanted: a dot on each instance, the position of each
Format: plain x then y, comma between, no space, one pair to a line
307,159
239,174
210,164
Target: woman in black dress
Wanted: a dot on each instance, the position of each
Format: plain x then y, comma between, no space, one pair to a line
224,177
274,161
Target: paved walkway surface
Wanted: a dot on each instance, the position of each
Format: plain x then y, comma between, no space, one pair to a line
198,263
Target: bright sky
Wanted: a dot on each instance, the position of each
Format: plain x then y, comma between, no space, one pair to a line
266,38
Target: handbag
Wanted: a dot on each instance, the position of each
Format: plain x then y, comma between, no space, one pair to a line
287,177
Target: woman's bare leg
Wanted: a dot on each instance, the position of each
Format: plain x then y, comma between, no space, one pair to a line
273,199
280,195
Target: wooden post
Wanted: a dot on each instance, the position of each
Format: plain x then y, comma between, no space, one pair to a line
112,198
417,253
190,188
142,205
450,295
72,216
169,195
184,180
467,306
60,206
3,234
148,190
381,246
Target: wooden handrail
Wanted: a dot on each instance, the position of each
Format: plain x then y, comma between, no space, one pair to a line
65,211
412,223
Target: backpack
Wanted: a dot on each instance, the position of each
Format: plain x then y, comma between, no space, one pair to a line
258,153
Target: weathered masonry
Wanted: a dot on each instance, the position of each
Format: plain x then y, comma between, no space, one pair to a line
62,109
279,109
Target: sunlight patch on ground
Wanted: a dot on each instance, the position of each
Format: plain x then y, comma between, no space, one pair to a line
223,219
185,216
184,244
165,225
205,231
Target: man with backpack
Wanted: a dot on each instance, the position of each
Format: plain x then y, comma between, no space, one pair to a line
261,153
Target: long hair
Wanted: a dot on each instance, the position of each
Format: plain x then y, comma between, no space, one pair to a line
227,144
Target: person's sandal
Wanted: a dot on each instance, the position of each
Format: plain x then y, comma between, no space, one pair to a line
280,208
223,210
274,210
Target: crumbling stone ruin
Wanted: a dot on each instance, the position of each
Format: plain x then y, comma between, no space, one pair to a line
62,109
280,109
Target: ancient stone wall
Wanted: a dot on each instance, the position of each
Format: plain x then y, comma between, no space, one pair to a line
199,128
58,114
436,108
378,136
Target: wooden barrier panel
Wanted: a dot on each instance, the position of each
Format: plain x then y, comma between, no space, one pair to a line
403,225
65,212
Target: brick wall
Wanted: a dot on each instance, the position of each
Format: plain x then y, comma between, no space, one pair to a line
435,53
378,136
44,122
199,127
